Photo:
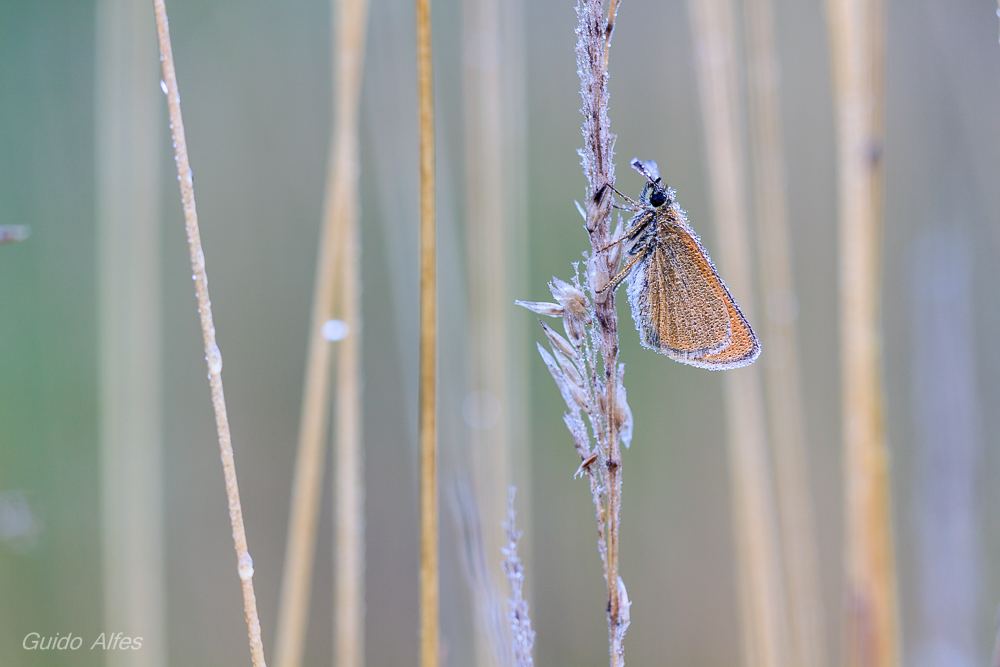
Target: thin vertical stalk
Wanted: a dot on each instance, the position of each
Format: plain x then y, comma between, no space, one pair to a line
856,40
781,363
127,147
762,593
337,287
349,546
493,222
213,356
429,576
485,224
594,33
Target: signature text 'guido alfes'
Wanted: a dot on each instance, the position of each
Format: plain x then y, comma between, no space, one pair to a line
33,641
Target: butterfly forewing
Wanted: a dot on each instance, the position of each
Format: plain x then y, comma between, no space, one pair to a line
743,346
679,303
676,303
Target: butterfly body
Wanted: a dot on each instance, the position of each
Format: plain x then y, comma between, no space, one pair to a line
680,305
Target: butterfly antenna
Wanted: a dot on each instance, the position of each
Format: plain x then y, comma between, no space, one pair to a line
647,169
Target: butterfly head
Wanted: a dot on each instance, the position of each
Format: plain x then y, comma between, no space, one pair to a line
656,194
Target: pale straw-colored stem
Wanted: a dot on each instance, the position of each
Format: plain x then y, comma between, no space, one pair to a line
429,576
337,287
856,41
128,126
349,544
492,92
349,492
212,354
781,362
764,618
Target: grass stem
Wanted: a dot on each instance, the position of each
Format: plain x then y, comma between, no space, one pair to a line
781,363
128,123
213,356
492,92
763,603
336,293
857,55
594,32
429,576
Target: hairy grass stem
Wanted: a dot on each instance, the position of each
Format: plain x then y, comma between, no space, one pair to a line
522,636
594,33
589,386
213,356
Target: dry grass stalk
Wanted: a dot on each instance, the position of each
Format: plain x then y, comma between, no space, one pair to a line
856,39
349,546
762,593
589,386
486,220
781,364
594,33
492,646
337,292
515,649
213,356
349,540
127,128
494,223
522,636
429,575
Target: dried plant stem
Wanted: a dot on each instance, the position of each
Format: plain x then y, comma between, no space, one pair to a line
781,363
212,353
522,636
337,285
594,33
349,545
856,40
764,615
429,577
127,129
128,199
492,92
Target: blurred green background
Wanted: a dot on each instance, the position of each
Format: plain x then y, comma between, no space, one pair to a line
255,80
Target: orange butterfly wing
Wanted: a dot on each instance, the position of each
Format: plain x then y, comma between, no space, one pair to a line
683,309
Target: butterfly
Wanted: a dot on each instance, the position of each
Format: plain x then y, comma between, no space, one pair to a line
680,305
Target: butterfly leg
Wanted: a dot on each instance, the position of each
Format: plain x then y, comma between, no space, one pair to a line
635,205
630,234
623,274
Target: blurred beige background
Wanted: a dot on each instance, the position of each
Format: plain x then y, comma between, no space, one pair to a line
254,77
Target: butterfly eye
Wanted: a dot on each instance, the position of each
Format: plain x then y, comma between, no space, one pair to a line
658,198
